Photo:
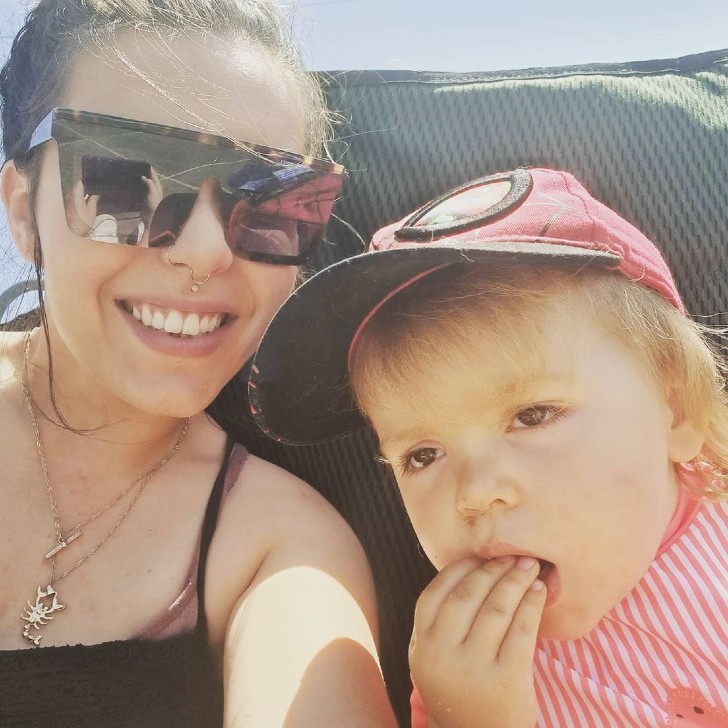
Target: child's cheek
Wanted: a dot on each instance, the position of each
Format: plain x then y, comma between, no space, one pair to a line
440,539
422,523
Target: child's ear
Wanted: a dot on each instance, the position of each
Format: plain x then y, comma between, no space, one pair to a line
686,437
15,193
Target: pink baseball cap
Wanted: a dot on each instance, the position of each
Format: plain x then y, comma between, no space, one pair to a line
299,384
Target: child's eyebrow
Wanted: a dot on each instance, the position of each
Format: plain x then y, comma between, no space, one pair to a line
394,438
523,387
401,438
515,390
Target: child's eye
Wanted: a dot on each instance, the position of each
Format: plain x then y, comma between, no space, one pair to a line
537,415
420,459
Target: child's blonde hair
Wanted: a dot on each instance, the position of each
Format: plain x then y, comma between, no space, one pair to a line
445,311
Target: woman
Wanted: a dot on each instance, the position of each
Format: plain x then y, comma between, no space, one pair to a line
145,180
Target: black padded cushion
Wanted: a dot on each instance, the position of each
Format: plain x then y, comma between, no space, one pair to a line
649,139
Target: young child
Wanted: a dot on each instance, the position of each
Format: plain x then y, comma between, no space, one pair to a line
558,429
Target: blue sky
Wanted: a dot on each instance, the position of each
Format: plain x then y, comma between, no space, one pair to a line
473,35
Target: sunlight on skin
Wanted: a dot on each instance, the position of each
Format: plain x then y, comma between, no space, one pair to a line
267,624
8,369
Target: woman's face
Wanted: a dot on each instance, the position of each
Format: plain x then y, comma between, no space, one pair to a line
94,290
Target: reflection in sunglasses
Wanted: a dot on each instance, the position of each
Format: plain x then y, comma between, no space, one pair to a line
284,227
267,181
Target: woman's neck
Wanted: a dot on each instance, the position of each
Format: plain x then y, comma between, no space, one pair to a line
83,428
67,395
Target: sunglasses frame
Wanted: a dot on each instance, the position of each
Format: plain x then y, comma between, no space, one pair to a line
44,133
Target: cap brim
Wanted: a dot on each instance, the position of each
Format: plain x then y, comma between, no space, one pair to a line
299,384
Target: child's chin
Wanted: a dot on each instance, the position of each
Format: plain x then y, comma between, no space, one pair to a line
558,624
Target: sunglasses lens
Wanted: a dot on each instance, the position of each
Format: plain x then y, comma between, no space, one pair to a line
132,186
286,223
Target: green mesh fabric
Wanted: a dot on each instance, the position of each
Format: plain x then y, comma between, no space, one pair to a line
649,139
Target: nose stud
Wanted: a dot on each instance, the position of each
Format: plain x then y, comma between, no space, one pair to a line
195,283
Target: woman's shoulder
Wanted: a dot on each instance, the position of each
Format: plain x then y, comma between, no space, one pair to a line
294,525
276,499
274,521
303,622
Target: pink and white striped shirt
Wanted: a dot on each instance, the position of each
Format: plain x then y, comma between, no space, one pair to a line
659,658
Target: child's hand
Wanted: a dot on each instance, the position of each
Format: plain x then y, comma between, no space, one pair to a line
473,643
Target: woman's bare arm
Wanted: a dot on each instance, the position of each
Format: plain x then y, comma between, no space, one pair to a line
300,648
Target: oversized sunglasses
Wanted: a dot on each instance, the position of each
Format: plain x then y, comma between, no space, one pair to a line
135,183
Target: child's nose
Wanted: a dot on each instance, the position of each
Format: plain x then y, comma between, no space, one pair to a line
201,242
483,484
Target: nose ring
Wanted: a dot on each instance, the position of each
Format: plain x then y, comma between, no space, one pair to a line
169,256
195,284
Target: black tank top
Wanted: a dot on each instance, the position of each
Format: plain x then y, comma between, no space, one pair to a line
167,683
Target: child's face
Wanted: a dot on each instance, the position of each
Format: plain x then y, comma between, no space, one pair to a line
567,458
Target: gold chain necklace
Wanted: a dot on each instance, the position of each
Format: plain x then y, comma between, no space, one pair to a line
37,615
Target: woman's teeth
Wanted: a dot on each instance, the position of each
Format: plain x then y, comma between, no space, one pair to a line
175,322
